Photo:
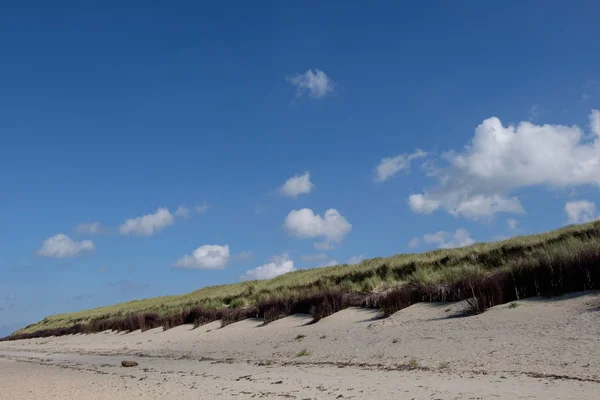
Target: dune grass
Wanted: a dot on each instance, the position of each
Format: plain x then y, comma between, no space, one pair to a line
485,274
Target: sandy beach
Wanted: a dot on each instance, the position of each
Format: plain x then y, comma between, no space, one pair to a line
546,349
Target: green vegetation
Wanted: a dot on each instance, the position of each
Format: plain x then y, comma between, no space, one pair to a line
303,353
513,305
485,274
413,364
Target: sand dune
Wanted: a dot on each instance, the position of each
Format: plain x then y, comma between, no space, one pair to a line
433,349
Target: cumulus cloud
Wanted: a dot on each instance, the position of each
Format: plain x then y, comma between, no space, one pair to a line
314,257
209,256
62,246
297,185
390,166
279,265
448,240
93,228
304,223
316,83
479,180
581,211
147,225
414,243
512,223
355,260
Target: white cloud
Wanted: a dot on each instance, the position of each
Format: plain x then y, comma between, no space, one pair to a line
414,242
390,166
62,246
93,228
581,211
355,260
296,185
148,224
279,265
186,212
500,159
329,263
303,223
447,240
421,204
480,205
209,256
314,257
316,83
512,223
182,211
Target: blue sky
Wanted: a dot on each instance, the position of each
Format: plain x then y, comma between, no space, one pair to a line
258,139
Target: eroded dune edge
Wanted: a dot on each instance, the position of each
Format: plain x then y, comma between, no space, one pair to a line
536,348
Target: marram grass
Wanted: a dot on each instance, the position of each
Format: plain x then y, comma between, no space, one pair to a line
563,260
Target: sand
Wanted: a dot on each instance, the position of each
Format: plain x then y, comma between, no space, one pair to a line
542,349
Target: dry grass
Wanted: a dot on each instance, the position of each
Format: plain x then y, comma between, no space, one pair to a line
486,274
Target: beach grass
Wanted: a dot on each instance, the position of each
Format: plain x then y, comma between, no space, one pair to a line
485,274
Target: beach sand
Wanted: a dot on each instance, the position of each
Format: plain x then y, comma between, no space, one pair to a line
542,349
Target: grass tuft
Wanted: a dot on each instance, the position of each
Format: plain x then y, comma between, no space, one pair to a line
413,364
303,353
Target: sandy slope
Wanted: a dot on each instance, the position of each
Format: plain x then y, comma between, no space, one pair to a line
540,349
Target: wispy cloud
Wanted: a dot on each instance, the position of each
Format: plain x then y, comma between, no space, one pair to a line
182,211
414,243
581,211
147,225
390,166
329,263
93,228
355,260
447,240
